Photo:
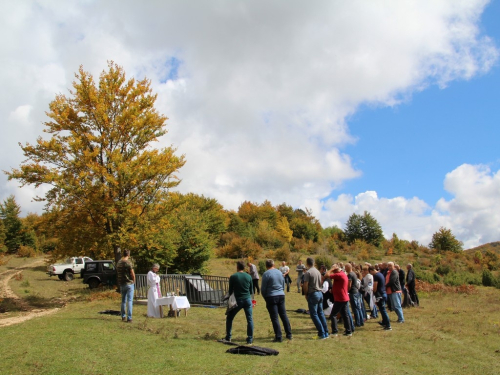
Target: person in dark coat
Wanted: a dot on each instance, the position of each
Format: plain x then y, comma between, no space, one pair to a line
393,290
410,284
404,291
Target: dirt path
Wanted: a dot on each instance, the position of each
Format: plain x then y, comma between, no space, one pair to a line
6,292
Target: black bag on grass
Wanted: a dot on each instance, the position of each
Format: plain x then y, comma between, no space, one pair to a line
252,350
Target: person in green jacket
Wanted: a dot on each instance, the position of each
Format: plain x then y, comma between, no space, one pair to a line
240,283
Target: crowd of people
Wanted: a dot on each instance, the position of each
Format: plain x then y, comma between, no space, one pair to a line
350,293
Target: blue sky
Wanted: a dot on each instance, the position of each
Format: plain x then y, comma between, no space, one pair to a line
406,150
339,107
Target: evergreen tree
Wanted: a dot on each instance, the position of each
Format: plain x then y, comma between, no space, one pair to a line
9,213
3,248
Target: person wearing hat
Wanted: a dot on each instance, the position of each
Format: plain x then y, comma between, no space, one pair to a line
154,291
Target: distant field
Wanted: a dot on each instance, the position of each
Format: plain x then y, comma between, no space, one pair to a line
449,334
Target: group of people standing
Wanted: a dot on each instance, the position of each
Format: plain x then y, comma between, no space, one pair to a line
337,291
381,286
272,288
332,291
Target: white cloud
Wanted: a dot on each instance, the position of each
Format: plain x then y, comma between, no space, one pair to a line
472,214
21,114
263,89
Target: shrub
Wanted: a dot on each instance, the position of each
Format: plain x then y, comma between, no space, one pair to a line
262,266
325,259
342,257
49,245
239,247
488,279
304,246
26,252
462,278
443,269
295,257
283,253
429,277
270,254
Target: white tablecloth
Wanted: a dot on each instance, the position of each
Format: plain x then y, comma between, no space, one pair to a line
177,302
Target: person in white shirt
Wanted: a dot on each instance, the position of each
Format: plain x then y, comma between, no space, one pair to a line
285,270
368,292
154,292
300,273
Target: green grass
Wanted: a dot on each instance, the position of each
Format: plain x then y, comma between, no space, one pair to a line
12,261
449,334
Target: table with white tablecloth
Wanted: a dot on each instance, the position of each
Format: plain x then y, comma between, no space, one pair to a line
175,303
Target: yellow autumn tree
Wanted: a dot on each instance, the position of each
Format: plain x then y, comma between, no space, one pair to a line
106,180
283,228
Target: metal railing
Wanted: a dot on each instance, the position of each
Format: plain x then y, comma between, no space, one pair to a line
199,289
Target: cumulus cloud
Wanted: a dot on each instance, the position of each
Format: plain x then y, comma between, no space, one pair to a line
257,92
472,214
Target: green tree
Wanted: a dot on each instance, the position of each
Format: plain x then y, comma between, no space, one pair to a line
363,227
444,240
286,211
3,236
333,231
354,228
195,243
9,213
302,227
104,175
399,246
236,224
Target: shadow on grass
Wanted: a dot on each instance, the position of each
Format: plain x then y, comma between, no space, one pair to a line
37,302
40,269
12,305
28,303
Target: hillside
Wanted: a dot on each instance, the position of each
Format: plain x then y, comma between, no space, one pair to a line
492,246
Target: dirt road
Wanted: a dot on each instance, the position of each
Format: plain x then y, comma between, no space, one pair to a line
6,292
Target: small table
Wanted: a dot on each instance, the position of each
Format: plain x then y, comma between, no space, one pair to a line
175,303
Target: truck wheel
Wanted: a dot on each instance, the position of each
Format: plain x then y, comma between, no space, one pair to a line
93,283
68,275
60,277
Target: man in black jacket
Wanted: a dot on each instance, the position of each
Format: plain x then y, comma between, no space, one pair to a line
410,284
402,283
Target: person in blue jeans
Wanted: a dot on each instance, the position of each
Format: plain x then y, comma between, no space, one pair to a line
126,279
381,296
240,283
273,291
312,290
354,296
395,289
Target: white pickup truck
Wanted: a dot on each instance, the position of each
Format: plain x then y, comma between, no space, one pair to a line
68,269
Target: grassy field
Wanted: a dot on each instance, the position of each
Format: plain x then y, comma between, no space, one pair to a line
449,334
